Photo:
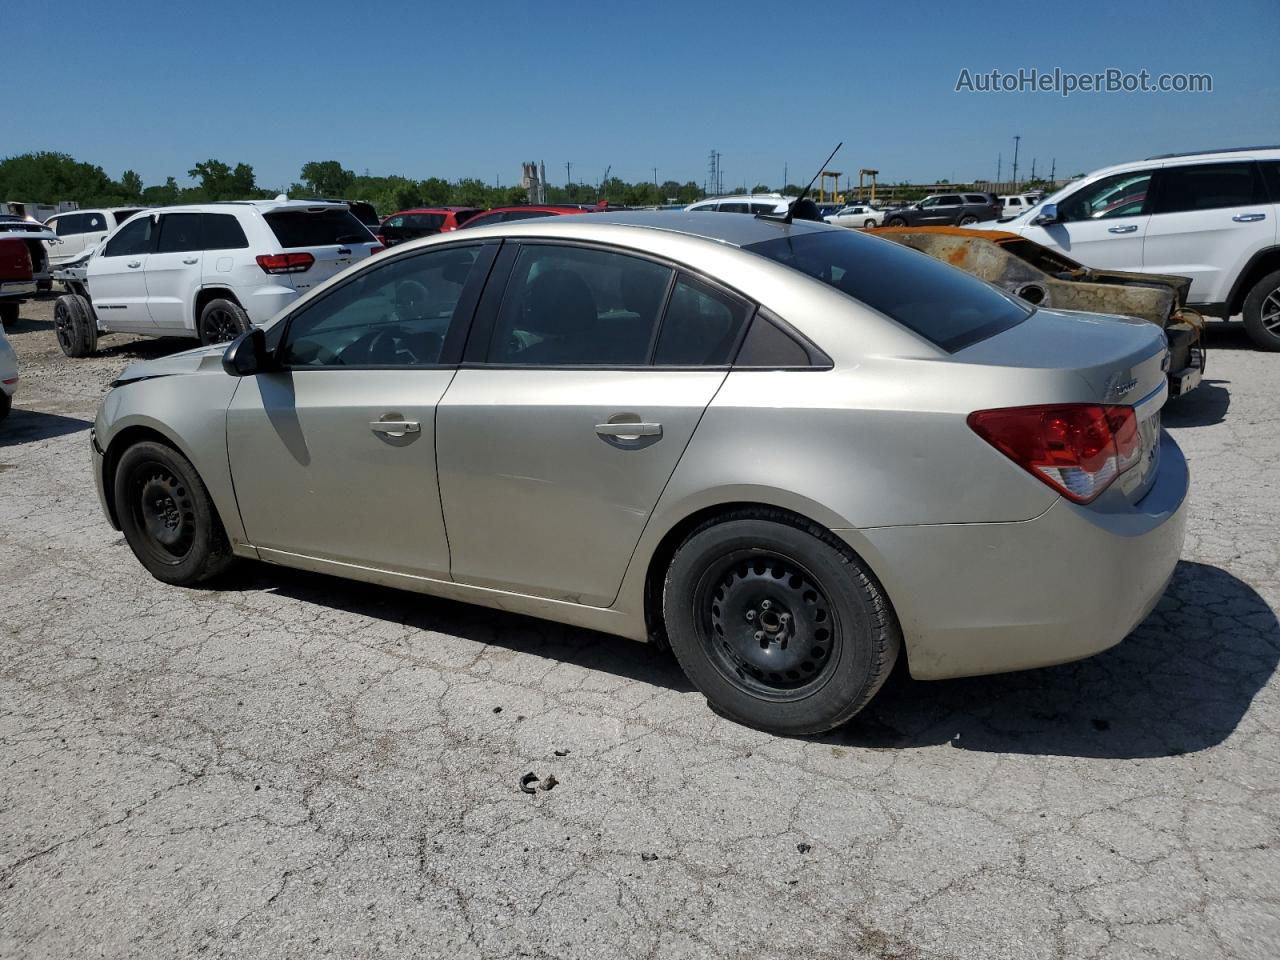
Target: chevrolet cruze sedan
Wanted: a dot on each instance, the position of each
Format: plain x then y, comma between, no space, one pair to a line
793,452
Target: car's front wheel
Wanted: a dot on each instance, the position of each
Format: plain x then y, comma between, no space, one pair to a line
221,321
6,404
968,220
167,516
777,623
868,224
897,222
1262,312
75,325
8,313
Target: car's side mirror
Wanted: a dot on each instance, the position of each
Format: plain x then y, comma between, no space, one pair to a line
1048,214
248,354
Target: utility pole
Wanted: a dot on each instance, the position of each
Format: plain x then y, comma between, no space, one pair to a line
1053,172
1033,168
656,191
1015,161
784,178
568,174
999,166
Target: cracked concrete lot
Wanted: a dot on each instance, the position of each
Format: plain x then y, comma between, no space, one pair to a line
297,766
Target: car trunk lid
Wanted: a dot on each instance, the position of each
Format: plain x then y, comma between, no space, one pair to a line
329,233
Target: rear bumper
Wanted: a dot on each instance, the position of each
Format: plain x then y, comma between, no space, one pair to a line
983,598
263,303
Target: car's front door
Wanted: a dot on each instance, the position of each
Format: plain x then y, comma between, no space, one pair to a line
333,454
69,228
117,277
173,271
582,385
1207,222
1102,224
939,210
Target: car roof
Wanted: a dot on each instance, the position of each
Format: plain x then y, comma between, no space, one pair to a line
540,207
739,231
738,197
265,206
435,210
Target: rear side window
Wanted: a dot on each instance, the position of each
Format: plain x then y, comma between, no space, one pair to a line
976,198
179,232
318,228
123,215
763,207
701,325
946,306
95,223
570,306
222,231
1209,186
1271,176
132,239
71,224
424,221
735,208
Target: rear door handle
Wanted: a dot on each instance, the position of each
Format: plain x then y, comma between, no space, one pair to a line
1249,217
395,428
191,261
629,431
133,264
1126,229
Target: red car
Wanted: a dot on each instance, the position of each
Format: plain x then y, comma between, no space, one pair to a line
525,212
423,222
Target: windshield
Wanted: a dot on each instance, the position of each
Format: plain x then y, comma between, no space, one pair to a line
943,304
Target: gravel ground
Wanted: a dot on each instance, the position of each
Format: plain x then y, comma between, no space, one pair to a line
297,766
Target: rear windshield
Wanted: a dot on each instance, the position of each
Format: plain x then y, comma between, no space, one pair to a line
462,216
365,213
943,304
303,228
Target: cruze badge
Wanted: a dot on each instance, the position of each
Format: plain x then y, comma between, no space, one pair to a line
1117,388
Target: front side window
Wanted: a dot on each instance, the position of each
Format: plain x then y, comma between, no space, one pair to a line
572,306
950,200
946,306
179,233
134,238
701,325
1120,195
71,224
928,202
122,215
1209,186
393,315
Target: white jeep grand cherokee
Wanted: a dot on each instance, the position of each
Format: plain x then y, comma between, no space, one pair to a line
1207,216
207,271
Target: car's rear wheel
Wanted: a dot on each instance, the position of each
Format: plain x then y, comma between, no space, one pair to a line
1262,312
167,517
897,222
968,221
8,313
868,224
75,325
6,404
778,624
221,321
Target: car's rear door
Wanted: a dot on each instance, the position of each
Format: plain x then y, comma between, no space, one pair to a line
585,376
174,271
1207,221
333,455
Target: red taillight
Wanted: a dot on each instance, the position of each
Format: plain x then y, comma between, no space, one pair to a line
286,262
382,241
1076,448
378,249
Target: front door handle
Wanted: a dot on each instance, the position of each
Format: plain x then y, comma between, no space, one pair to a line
1249,217
1126,229
395,428
191,261
629,431
134,264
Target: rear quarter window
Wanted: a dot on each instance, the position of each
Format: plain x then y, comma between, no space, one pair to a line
321,228
946,306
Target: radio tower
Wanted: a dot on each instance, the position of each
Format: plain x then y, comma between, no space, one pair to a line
713,173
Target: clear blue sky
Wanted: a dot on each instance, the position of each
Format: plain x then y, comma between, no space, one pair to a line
472,89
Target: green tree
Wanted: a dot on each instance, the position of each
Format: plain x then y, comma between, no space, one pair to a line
162,195
220,182
131,184
48,177
327,178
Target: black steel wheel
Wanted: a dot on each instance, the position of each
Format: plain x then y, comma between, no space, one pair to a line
75,325
767,624
777,623
9,310
221,321
167,516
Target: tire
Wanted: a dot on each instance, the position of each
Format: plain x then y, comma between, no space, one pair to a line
75,325
968,221
9,310
897,222
167,517
6,404
868,224
1262,312
221,321
760,590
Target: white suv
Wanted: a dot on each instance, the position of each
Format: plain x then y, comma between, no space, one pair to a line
1208,216
81,230
744,203
207,271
